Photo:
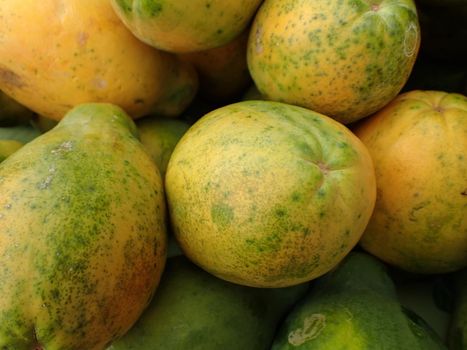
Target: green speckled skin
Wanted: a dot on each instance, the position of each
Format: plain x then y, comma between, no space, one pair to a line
82,233
342,58
186,25
254,189
418,144
354,307
193,310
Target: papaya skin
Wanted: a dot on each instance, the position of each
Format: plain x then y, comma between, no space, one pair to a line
186,25
223,71
83,243
8,147
354,307
418,144
159,136
88,56
344,59
254,189
194,310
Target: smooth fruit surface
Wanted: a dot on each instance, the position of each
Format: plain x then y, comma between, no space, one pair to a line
268,194
160,136
207,313
418,144
354,307
223,71
344,59
77,51
186,25
83,233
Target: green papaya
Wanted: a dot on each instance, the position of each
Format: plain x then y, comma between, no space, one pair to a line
12,138
159,136
20,133
8,147
197,311
354,307
457,338
419,296
42,123
82,233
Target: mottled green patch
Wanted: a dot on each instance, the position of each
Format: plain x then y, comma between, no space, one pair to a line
150,8
270,243
222,214
125,5
296,197
280,212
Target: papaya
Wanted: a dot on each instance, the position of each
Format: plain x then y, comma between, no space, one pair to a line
418,145
344,59
223,72
83,233
43,124
8,147
195,310
12,138
186,25
78,51
419,294
355,306
21,133
254,189
159,137
457,339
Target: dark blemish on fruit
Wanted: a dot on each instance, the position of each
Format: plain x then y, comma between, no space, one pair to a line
8,77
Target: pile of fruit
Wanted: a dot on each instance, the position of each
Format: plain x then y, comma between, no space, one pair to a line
207,174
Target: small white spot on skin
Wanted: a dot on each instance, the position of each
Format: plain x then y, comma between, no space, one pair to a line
46,183
64,147
312,327
1,216
410,39
100,83
82,38
60,10
7,206
258,42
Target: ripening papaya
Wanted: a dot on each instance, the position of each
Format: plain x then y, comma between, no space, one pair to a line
83,233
